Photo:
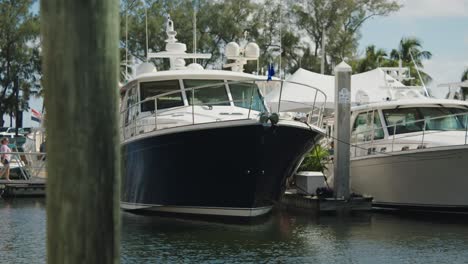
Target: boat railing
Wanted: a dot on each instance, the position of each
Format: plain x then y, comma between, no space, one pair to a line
397,137
26,165
252,106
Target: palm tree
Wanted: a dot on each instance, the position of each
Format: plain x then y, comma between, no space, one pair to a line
411,47
372,60
464,76
411,55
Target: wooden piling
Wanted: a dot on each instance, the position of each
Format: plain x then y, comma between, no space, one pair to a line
80,48
342,130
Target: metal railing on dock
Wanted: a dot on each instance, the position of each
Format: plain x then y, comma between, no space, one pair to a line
26,165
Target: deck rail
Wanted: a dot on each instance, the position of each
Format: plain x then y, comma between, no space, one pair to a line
26,165
252,106
397,138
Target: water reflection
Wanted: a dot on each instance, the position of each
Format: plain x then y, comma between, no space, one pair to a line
282,238
22,231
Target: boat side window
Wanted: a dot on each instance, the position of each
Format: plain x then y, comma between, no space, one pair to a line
150,89
214,94
378,130
462,116
131,106
246,93
366,129
403,120
441,118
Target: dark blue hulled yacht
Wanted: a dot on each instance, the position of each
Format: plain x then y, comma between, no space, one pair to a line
198,141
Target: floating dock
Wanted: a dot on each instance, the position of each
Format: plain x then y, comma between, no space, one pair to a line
35,187
291,200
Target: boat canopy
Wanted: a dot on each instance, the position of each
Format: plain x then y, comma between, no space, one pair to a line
368,87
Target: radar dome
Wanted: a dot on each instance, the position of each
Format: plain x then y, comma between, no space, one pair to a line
232,49
145,67
195,67
252,50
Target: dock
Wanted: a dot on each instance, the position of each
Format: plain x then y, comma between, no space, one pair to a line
294,201
35,187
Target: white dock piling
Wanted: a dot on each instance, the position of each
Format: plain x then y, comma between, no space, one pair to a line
342,130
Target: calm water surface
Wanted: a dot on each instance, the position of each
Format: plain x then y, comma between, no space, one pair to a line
281,238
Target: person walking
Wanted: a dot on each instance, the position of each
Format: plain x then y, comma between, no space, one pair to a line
5,158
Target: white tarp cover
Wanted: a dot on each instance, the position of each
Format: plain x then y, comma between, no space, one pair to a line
367,87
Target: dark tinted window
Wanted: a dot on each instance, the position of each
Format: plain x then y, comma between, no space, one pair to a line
150,89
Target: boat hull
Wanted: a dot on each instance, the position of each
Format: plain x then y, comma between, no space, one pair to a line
229,169
430,179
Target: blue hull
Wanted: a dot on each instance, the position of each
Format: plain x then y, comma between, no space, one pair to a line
241,167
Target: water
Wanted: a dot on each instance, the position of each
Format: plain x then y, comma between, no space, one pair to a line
281,238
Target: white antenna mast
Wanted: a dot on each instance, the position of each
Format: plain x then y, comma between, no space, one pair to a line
419,74
194,5
126,42
280,35
146,27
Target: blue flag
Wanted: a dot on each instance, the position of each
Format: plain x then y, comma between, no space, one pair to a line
271,72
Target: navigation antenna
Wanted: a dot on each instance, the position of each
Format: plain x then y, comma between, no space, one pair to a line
126,42
194,5
280,35
146,29
419,74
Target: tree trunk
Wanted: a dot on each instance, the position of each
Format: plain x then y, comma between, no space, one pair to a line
2,122
17,124
80,44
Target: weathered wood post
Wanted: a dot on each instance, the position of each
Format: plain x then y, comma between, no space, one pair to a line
342,129
80,45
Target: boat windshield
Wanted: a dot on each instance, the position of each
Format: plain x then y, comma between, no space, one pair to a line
214,94
407,120
246,94
243,94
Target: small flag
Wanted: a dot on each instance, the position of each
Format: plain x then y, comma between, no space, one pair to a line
36,116
271,72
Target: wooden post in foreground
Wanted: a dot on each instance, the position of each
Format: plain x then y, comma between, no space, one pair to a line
342,130
80,45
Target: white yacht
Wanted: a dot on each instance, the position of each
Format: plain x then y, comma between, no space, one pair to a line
408,150
198,141
411,154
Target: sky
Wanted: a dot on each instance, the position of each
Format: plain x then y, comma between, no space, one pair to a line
441,25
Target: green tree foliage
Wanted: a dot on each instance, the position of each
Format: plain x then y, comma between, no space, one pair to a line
314,160
341,22
220,22
373,59
464,76
407,47
411,47
20,65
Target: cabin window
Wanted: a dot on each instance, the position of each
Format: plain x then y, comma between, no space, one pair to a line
442,118
150,89
407,120
403,120
131,106
214,94
244,94
367,126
